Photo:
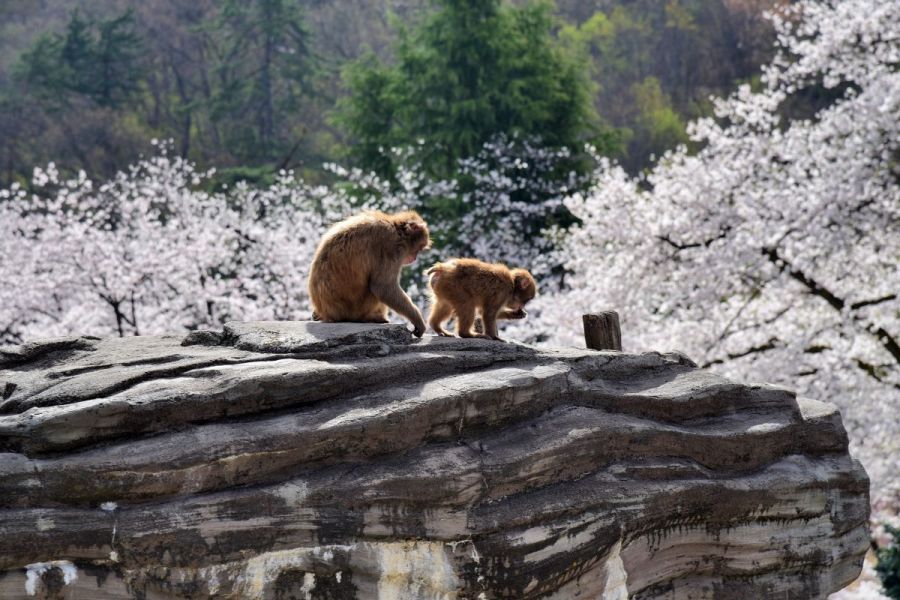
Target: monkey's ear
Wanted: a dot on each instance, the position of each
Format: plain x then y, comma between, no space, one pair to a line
522,283
412,227
416,230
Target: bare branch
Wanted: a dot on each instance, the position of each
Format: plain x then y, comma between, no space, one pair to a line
817,289
770,345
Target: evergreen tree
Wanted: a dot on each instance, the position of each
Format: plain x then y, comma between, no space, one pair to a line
266,67
76,57
116,59
100,61
472,70
888,567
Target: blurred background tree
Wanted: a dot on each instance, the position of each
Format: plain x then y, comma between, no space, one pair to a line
98,61
888,566
263,72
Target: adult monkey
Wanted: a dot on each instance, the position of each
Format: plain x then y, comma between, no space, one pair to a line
355,274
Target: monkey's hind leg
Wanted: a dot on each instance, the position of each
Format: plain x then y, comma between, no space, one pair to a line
377,314
368,310
440,312
465,318
489,317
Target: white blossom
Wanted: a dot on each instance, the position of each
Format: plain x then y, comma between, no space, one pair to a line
151,252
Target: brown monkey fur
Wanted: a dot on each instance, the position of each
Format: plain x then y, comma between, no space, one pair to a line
355,274
464,286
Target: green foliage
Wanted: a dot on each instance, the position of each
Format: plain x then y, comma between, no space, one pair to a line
368,113
98,60
888,567
471,70
227,178
265,70
656,64
656,124
244,83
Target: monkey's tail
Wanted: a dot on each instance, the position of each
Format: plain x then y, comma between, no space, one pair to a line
434,272
436,268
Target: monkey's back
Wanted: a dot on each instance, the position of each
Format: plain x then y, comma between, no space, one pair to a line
464,280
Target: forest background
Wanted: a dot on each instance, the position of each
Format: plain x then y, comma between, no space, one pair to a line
250,87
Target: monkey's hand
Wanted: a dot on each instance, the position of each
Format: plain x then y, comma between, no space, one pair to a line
418,324
389,292
513,314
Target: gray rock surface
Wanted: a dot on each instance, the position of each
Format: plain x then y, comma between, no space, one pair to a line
314,461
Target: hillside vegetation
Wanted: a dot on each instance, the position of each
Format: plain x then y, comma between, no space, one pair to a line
250,87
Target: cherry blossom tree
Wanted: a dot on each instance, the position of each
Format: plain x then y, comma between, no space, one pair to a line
772,253
150,252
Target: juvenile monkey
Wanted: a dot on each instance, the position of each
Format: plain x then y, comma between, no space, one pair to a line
355,274
464,286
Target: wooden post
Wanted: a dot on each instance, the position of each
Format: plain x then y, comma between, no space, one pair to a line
601,330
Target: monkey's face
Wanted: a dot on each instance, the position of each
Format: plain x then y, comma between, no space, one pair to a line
417,240
524,292
415,249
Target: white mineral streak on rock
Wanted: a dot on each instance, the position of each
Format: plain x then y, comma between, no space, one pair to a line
35,571
111,507
293,493
616,576
43,524
605,580
265,568
309,584
763,428
420,570
254,577
32,574
561,544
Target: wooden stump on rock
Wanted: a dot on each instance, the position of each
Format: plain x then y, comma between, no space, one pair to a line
601,330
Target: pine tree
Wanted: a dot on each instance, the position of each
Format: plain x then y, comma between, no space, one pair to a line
471,71
99,61
266,68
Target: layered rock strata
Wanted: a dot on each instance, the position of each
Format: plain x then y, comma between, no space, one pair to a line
309,460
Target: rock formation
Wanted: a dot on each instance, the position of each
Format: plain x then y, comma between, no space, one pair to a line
309,460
